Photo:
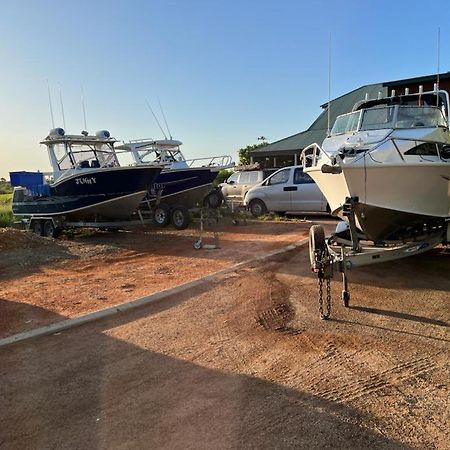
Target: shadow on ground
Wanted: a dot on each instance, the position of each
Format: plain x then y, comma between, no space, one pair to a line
85,389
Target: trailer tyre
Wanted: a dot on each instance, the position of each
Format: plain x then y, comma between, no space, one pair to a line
180,217
161,215
49,229
316,243
37,227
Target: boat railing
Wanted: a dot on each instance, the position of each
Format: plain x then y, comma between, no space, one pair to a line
311,154
224,161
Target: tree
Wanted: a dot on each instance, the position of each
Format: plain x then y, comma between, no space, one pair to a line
244,153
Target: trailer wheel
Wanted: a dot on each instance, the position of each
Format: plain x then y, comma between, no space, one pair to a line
37,227
316,243
49,229
161,215
180,217
213,200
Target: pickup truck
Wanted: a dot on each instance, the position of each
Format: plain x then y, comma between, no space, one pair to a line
287,190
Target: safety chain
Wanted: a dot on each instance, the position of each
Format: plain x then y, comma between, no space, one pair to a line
324,314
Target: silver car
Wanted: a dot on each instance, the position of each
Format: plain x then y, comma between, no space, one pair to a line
239,183
287,190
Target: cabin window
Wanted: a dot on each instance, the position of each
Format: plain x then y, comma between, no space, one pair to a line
425,149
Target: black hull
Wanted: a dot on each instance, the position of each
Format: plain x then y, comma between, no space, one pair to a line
183,187
93,195
382,224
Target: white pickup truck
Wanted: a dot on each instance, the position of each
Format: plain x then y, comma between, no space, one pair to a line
286,190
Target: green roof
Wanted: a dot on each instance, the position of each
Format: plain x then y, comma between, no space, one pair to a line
318,130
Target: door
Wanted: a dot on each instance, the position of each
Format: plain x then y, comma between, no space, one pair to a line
278,192
307,196
230,188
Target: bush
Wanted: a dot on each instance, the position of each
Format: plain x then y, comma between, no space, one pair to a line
222,176
6,215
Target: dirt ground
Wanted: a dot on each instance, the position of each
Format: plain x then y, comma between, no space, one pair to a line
94,270
245,362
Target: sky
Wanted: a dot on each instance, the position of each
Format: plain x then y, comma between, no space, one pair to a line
225,72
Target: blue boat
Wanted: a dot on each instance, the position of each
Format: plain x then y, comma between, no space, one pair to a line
87,182
182,181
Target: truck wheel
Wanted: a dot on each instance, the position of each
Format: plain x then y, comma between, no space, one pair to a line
213,200
37,227
257,208
161,215
180,217
49,229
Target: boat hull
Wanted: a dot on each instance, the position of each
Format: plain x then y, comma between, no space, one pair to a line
111,194
383,210
185,187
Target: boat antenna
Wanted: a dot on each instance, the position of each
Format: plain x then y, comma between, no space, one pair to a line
157,121
50,104
84,107
62,106
165,120
329,87
438,63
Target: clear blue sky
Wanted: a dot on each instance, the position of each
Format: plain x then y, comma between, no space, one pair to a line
226,71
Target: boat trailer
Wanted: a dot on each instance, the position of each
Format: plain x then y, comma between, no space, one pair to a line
339,255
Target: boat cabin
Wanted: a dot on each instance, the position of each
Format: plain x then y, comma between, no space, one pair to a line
147,151
69,153
426,110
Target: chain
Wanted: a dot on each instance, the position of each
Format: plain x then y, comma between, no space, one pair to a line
324,314
321,294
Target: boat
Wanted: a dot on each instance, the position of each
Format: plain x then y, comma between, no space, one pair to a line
182,181
87,183
388,161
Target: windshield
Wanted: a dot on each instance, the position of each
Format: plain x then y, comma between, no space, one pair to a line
346,123
377,118
419,116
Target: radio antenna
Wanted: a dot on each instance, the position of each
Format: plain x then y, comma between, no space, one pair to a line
164,117
329,87
50,104
62,106
84,107
157,121
438,63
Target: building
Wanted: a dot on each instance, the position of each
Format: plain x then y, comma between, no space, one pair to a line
286,152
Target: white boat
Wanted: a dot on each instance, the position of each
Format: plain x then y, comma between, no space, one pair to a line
389,158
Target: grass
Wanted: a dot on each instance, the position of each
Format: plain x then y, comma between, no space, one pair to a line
6,215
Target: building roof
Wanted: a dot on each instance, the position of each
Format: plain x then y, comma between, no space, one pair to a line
340,105
318,130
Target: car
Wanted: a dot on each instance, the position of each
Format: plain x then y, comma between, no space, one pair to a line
287,190
238,184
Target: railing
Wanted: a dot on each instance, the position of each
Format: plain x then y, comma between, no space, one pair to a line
224,161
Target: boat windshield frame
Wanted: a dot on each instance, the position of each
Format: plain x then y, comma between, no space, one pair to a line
391,120
99,153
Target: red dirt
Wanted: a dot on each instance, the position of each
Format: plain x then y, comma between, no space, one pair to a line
69,277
